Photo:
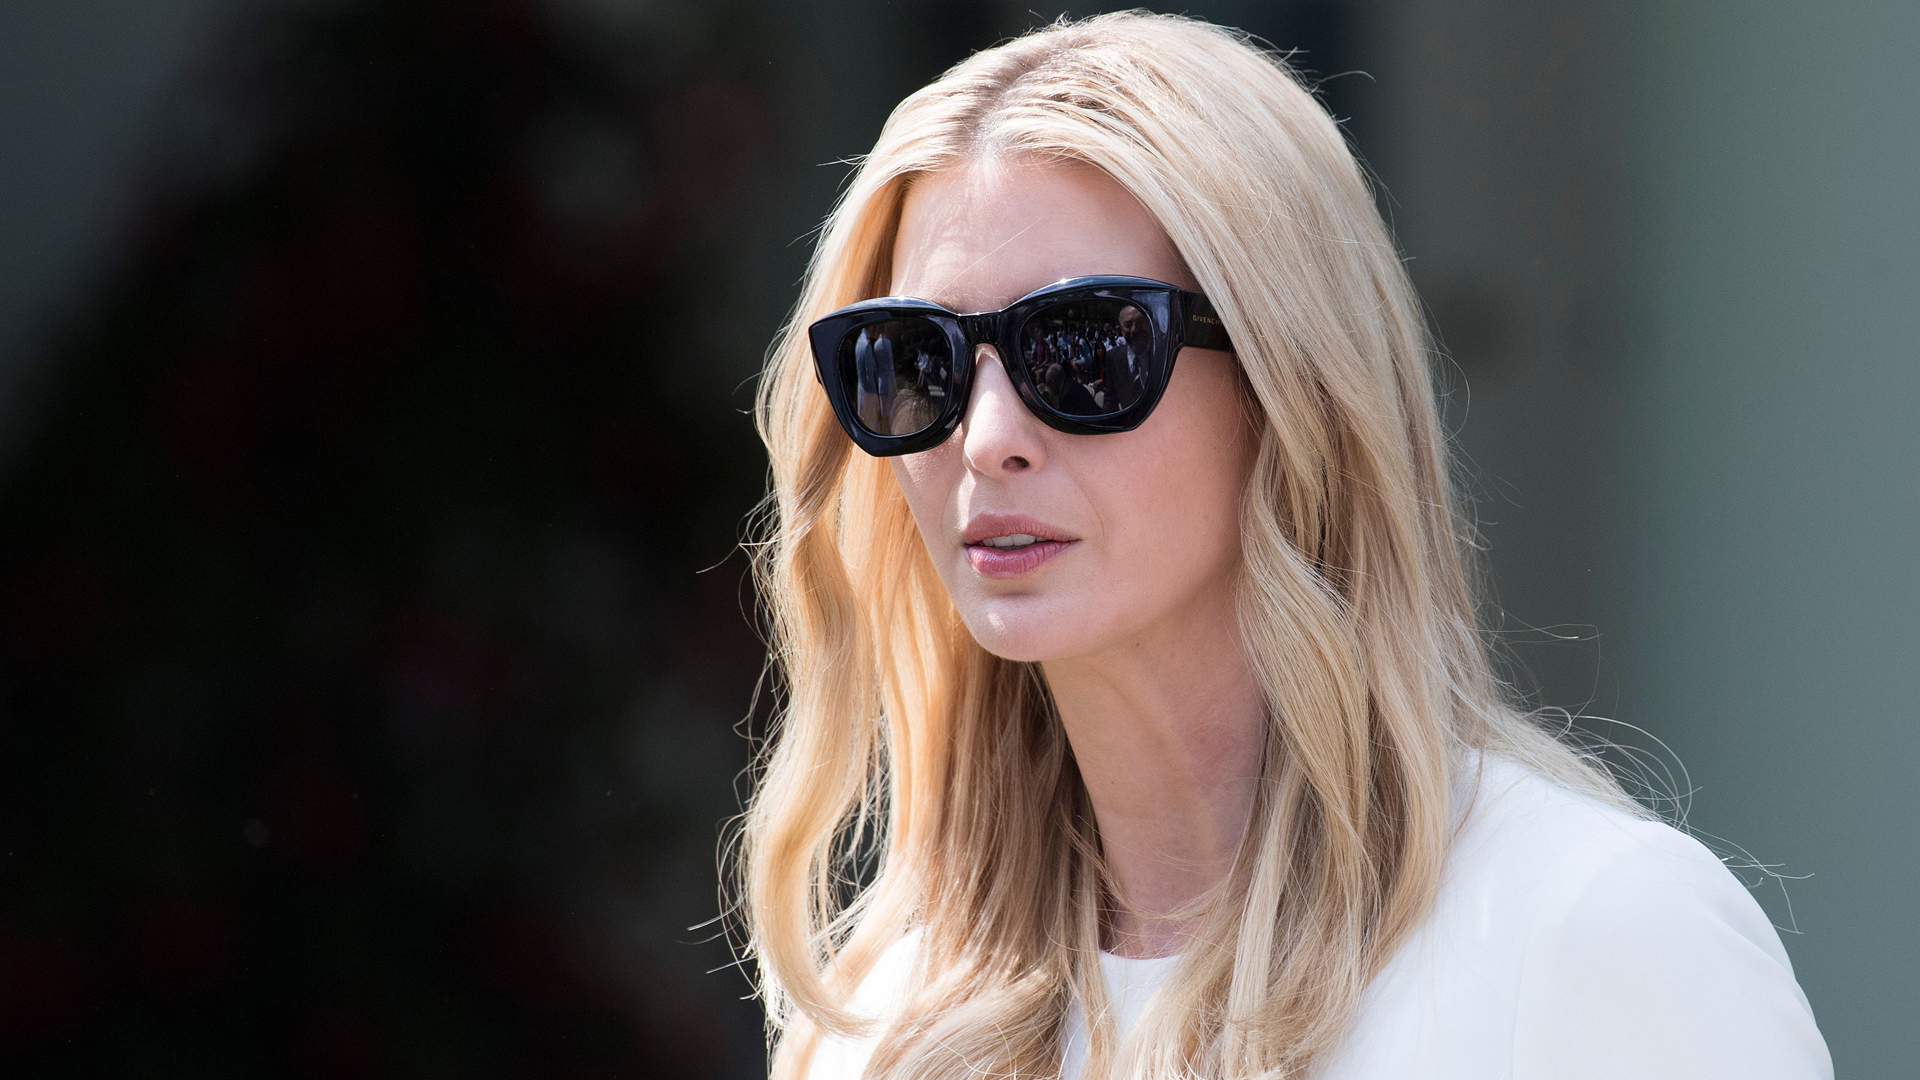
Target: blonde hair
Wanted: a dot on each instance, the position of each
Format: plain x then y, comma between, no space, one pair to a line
915,782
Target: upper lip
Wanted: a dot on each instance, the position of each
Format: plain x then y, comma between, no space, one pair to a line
986,526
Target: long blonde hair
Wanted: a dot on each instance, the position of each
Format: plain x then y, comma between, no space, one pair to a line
914,782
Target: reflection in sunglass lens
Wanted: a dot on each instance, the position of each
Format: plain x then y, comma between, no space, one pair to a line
898,374
1088,357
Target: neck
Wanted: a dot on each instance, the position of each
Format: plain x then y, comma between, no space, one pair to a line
1169,731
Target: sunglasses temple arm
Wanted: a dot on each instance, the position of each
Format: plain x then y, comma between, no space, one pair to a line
1203,329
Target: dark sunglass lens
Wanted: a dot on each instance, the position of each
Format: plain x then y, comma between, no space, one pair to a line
1088,357
898,374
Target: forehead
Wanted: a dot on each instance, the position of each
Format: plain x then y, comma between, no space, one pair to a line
980,236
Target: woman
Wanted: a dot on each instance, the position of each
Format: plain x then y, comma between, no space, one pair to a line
1162,742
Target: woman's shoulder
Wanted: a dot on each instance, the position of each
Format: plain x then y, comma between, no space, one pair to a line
1572,938
1551,856
1543,868
1515,826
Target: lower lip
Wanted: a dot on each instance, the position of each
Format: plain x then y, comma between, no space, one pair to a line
995,562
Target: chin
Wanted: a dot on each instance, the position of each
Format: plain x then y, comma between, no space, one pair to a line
1015,647
1029,629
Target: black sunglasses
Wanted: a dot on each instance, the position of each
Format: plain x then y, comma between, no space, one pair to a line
1088,355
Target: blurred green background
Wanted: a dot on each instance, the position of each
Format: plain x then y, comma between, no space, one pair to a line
375,657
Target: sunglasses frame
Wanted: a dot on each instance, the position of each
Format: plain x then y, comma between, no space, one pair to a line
1178,318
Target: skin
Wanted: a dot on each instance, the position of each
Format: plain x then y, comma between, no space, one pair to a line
1132,617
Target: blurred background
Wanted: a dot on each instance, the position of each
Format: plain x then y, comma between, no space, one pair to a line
375,655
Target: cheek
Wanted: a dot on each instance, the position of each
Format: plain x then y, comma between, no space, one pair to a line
1182,502
1191,477
928,481
1180,505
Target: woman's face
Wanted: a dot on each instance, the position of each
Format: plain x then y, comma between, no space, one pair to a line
1138,533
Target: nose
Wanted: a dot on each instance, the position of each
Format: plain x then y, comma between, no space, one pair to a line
998,435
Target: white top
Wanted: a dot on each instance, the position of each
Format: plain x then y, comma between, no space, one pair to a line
1131,983
1569,941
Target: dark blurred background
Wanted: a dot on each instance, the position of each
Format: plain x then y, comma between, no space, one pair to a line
375,654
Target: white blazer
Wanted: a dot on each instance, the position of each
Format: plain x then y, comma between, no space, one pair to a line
1569,941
